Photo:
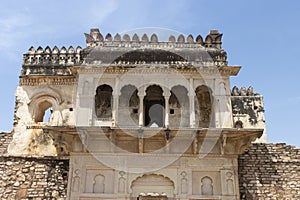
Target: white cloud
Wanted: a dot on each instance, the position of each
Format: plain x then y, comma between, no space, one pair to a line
99,11
12,32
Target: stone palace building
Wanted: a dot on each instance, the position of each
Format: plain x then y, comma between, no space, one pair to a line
133,117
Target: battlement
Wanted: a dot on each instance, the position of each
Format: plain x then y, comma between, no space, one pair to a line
53,56
212,40
243,91
126,51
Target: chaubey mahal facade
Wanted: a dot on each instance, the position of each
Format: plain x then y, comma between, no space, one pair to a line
133,117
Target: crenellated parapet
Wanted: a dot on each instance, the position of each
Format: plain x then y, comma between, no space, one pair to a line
243,91
147,49
212,40
53,56
50,61
127,51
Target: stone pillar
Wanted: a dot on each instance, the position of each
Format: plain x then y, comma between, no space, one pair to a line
141,110
115,109
167,111
191,95
192,110
167,95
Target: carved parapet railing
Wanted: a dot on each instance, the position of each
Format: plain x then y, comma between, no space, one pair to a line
52,57
212,40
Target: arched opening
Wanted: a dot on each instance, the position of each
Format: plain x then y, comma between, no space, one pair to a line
98,186
206,186
238,124
154,106
103,102
43,112
203,107
179,107
152,185
128,106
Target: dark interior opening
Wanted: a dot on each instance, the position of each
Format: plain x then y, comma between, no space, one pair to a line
154,113
154,105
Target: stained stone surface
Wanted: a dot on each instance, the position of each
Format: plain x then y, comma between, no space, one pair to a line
127,100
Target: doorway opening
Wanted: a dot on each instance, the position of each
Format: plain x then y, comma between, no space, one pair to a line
154,106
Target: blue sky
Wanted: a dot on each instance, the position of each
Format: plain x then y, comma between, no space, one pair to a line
261,36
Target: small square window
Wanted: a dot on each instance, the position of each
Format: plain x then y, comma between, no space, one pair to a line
172,111
135,111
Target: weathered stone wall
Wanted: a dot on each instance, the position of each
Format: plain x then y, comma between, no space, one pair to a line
270,171
33,178
5,139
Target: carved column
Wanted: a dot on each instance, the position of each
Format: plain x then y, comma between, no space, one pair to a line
191,95
167,95
115,109
167,111
141,109
192,109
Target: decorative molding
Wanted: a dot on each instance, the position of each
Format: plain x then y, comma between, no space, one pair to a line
38,81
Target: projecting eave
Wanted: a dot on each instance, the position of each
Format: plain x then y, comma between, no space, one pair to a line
233,134
230,70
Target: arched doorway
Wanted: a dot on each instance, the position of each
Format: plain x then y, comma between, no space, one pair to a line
179,107
128,106
154,106
103,102
153,184
43,112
